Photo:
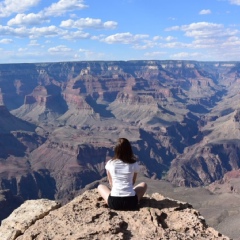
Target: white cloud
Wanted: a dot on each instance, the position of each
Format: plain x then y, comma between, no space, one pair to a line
7,7
124,38
27,19
76,35
63,6
88,23
38,32
67,23
73,15
174,45
186,55
169,38
22,49
35,55
33,43
98,37
81,54
235,2
59,49
174,28
205,30
214,40
145,44
156,38
201,26
211,33
110,24
205,11
89,55
19,32
154,54
49,31
232,41
205,43
83,50
6,41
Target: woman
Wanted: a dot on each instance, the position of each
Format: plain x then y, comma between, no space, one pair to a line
122,172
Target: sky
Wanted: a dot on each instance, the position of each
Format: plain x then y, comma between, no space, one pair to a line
89,30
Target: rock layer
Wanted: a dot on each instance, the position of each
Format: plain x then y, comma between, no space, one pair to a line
178,115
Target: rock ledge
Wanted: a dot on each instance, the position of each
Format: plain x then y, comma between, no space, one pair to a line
88,217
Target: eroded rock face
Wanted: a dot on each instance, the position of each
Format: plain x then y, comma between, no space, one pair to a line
88,217
178,116
228,184
210,158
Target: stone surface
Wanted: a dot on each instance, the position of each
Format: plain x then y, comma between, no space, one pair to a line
25,216
88,217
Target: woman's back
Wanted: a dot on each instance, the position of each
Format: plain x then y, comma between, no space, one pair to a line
122,172
122,177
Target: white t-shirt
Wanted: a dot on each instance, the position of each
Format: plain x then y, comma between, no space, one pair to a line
122,177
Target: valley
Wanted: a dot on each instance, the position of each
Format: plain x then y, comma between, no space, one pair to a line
60,121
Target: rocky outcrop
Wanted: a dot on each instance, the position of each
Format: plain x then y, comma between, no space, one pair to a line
45,104
25,216
88,217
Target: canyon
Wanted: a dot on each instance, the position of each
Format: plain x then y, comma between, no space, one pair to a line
59,123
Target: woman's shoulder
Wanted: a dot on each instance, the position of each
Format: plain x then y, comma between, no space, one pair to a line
110,162
119,161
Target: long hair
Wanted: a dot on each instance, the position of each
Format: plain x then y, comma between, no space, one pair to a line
123,151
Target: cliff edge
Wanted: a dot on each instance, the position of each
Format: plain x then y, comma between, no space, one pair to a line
88,217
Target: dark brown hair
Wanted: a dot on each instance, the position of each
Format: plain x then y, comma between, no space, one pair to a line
123,151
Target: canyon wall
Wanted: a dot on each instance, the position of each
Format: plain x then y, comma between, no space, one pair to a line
60,121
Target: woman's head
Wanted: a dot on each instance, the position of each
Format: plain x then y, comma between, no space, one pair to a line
123,151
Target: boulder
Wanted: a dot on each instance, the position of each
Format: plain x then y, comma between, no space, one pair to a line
25,216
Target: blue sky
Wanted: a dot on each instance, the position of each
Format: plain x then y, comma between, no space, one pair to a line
82,30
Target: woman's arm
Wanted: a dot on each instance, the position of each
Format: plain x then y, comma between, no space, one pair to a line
109,178
134,177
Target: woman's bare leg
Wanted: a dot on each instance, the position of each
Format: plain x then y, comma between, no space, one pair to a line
104,191
140,190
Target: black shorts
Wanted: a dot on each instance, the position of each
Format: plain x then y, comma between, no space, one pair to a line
123,203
